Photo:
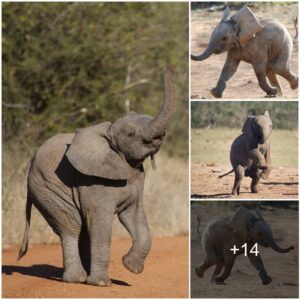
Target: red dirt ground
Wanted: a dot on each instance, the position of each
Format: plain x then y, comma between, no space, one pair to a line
38,274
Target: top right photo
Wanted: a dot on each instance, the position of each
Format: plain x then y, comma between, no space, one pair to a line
244,50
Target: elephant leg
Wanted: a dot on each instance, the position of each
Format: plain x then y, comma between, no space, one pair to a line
85,249
255,181
217,270
274,81
73,269
100,227
260,72
239,175
203,267
134,220
257,262
282,68
228,70
228,264
266,173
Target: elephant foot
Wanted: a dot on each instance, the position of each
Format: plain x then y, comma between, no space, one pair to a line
74,276
199,272
132,264
98,280
216,93
254,190
294,84
220,281
234,193
266,280
272,92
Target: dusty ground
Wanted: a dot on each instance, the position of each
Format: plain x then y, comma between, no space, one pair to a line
243,85
39,273
282,183
244,281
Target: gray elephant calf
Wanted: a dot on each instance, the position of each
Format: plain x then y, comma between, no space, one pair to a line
226,233
79,181
265,44
250,152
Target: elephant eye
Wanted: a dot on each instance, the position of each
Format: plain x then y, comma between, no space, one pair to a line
131,133
224,38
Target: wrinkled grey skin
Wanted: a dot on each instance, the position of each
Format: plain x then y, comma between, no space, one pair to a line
223,233
265,44
250,152
78,182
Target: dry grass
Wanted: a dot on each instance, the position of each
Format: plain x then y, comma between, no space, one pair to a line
165,197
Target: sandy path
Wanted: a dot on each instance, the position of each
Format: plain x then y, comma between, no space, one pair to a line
282,183
39,273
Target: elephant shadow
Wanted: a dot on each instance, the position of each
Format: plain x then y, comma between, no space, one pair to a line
206,196
45,271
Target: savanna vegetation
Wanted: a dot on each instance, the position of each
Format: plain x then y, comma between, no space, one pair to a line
232,114
75,64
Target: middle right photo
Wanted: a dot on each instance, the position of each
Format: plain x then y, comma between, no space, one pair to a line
244,149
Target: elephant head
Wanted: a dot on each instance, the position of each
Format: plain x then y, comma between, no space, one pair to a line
258,128
115,151
231,32
253,228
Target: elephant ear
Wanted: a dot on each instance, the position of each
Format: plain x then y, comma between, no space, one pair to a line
267,114
226,14
248,127
248,25
91,154
239,223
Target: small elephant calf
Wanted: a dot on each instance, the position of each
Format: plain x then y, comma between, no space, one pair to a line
250,152
225,233
265,44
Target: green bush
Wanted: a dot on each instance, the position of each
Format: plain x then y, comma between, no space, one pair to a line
70,65
232,114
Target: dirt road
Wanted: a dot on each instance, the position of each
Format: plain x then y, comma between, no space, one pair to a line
243,85
39,273
244,281
282,183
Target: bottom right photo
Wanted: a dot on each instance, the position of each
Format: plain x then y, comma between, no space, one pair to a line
244,249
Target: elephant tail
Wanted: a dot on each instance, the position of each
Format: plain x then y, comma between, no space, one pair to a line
226,173
24,247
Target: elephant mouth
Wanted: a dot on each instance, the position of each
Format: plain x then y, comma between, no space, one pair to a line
219,51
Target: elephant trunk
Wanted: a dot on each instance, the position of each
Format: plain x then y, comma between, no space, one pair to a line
157,126
205,54
276,247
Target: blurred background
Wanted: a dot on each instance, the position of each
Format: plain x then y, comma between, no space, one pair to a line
71,65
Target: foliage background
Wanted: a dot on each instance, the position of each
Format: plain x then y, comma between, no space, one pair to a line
70,65
232,114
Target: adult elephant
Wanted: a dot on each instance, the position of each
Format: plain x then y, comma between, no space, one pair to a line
265,44
79,181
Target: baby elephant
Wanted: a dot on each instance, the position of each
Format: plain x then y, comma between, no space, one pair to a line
250,152
265,44
226,233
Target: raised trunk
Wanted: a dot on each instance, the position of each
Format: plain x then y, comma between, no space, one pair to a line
204,55
157,127
277,248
